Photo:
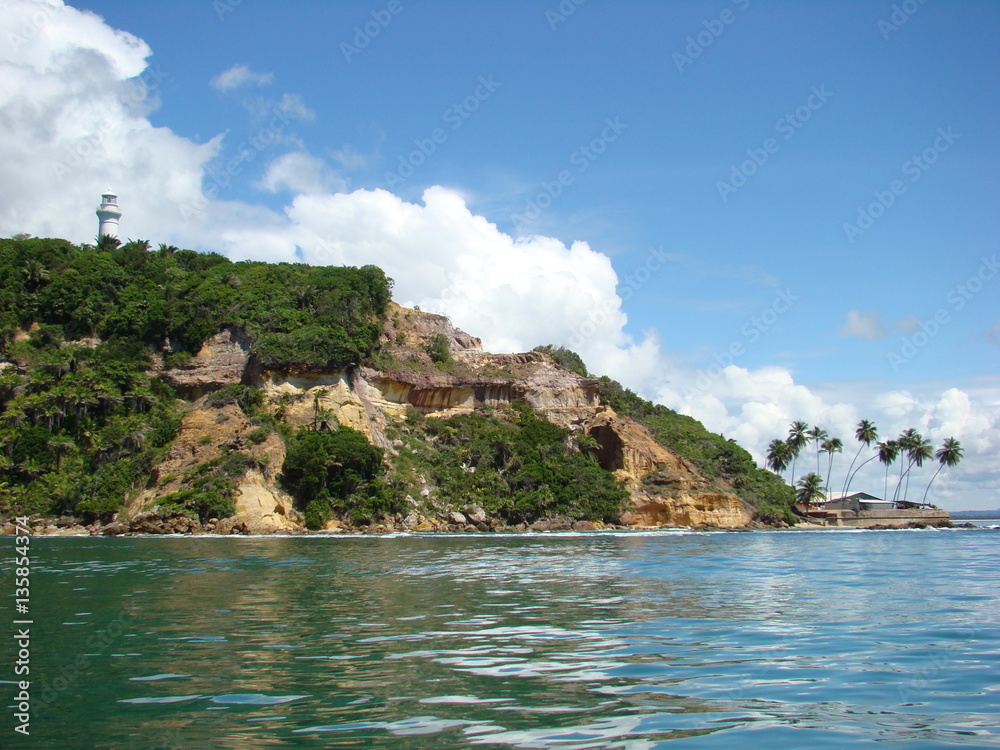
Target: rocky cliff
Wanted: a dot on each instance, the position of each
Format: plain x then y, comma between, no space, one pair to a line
666,490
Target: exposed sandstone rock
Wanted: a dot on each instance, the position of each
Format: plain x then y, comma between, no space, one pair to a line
222,360
262,508
697,510
341,396
631,450
490,380
418,327
208,433
74,530
666,490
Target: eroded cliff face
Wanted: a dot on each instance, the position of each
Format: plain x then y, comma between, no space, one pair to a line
663,500
222,360
666,490
212,433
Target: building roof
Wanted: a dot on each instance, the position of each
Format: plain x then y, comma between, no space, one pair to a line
862,496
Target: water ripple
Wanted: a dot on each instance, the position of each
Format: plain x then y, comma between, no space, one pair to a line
631,641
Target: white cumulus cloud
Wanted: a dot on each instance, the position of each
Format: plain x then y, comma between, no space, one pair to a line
240,75
73,99
300,172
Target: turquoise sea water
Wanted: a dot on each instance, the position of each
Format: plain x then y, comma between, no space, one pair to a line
660,640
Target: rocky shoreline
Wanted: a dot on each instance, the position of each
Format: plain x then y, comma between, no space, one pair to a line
154,523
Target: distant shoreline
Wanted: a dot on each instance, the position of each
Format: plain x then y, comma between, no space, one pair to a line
77,533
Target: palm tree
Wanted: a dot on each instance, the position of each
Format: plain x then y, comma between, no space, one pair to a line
9,383
86,434
831,446
866,434
949,454
140,244
7,440
818,435
108,242
906,441
888,450
83,401
778,455
15,415
586,443
304,295
139,399
34,273
52,413
133,440
325,420
60,445
32,467
107,398
810,488
797,440
919,451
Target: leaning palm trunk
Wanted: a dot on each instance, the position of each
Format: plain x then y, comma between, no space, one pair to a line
923,500
847,478
829,469
904,483
850,477
899,483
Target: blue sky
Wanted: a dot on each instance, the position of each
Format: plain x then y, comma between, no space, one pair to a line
818,108
657,185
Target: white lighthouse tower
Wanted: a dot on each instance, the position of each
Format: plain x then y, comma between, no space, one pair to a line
109,214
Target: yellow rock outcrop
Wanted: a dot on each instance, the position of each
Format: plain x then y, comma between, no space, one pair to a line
666,489
208,433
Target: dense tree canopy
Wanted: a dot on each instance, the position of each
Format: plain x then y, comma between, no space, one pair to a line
82,427
337,473
295,314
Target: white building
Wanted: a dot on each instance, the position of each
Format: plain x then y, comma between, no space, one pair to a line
109,214
856,501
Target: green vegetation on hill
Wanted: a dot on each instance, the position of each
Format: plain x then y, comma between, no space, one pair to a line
296,315
82,428
84,423
512,463
715,457
338,473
